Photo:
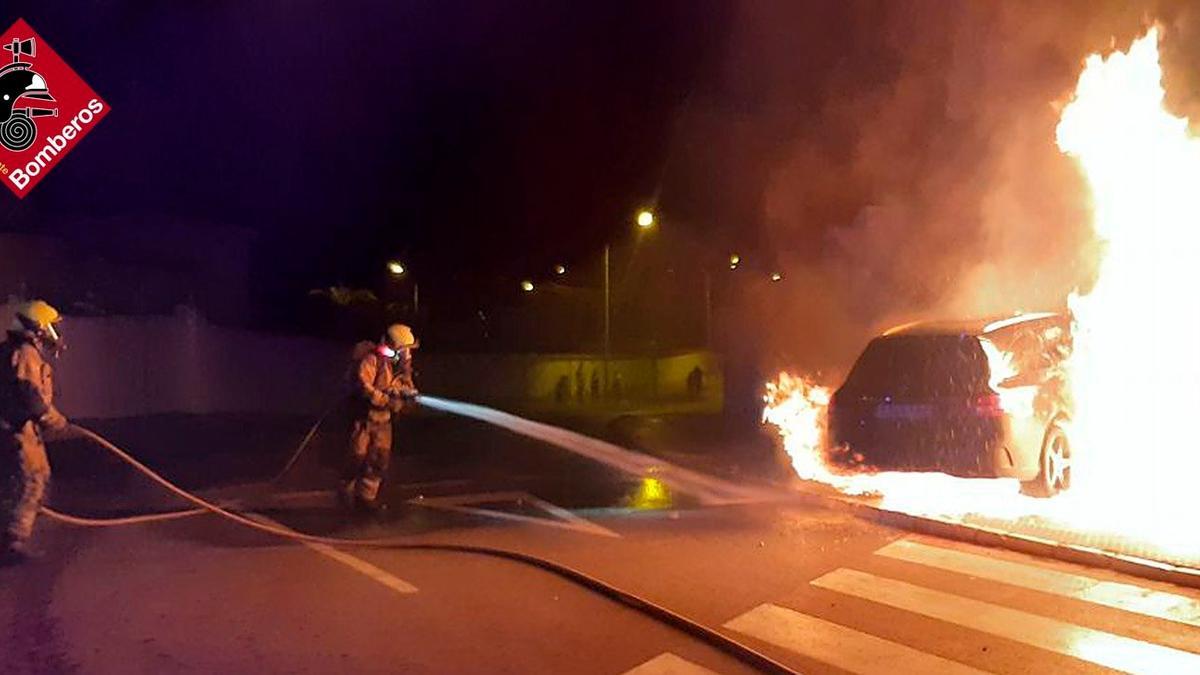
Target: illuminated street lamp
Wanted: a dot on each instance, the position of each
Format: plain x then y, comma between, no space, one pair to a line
776,276
527,286
560,270
645,220
735,259
398,270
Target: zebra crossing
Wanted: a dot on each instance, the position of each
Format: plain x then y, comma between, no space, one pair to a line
919,605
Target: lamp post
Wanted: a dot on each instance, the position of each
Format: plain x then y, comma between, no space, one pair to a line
645,219
397,270
607,310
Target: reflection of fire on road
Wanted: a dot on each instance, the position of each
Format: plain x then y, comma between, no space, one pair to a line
1135,369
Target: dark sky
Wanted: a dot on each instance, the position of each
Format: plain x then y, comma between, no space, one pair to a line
894,158
476,140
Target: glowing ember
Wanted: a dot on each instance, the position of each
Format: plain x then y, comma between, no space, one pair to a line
1135,369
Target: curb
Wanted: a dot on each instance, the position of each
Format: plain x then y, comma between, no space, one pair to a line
1144,568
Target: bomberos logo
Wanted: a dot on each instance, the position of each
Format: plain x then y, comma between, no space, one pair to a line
45,109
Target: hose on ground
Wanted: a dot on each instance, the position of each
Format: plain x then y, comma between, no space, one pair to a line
142,519
312,431
713,638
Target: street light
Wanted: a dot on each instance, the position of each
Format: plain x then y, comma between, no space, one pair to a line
398,270
735,259
644,220
527,286
776,276
560,270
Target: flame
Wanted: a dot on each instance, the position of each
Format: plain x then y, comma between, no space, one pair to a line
797,408
1135,367
1135,372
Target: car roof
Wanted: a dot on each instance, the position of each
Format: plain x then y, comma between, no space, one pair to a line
974,327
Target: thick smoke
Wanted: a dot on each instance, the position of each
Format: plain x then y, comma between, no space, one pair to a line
902,159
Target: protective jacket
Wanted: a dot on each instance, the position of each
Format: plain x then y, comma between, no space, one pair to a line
26,409
377,385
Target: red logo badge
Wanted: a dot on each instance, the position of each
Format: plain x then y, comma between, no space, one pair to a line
45,109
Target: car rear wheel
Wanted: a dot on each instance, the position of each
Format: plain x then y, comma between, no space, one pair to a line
1055,473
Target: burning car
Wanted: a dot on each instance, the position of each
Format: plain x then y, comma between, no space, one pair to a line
971,398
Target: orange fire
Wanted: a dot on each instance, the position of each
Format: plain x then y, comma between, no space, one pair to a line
1135,369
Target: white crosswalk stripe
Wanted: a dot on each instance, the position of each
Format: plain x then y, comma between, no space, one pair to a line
670,664
1099,647
1127,597
839,646
844,645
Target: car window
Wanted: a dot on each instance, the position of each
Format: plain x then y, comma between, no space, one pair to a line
919,366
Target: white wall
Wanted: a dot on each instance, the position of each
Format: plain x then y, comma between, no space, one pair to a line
131,366
128,366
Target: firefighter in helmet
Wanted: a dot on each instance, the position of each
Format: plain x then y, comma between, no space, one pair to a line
26,411
382,384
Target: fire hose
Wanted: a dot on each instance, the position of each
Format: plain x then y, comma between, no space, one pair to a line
743,653
184,513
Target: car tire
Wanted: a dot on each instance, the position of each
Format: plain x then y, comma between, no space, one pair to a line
1054,474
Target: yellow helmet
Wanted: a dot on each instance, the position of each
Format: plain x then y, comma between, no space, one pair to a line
37,317
400,336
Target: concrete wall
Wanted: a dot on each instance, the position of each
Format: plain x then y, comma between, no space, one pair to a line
127,366
130,366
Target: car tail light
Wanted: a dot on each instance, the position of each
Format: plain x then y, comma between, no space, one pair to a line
989,405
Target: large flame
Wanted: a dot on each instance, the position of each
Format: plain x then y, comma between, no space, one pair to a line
1135,370
1136,367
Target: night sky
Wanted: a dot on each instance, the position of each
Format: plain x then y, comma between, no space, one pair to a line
895,159
478,142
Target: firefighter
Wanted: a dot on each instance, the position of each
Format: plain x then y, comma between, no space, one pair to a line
26,411
382,385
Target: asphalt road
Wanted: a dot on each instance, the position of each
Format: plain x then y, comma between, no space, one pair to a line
819,590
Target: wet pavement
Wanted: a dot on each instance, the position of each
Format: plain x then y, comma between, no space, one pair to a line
809,584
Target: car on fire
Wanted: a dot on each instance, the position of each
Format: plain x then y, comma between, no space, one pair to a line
981,398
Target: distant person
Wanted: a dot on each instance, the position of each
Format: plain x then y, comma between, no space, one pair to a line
26,411
579,383
382,384
595,384
695,382
562,389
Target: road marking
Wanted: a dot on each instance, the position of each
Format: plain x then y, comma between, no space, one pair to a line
839,646
669,664
357,564
1105,649
562,518
1127,597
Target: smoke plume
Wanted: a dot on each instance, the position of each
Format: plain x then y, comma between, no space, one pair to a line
900,159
